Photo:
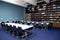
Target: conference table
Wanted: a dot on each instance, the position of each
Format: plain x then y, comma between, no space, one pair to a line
23,26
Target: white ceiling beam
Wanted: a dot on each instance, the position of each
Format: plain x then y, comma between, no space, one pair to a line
33,2
17,2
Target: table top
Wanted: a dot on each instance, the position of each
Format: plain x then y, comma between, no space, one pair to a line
23,26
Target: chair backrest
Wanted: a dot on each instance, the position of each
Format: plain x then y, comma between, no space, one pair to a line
22,22
19,29
2,23
14,28
34,24
6,25
39,24
50,25
16,21
25,22
10,25
44,24
28,22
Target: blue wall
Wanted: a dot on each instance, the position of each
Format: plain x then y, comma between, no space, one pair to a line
10,12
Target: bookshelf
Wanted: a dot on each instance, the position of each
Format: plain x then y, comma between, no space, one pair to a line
53,9
46,12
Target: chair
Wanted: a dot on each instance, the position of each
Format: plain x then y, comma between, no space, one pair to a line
25,22
50,25
20,31
28,22
35,25
39,25
22,22
32,23
23,33
29,31
2,24
16,21
14,30
9,28
6,27
44,26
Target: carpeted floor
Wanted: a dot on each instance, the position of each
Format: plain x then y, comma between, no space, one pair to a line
52,34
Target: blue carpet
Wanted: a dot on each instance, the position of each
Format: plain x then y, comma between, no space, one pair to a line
52,34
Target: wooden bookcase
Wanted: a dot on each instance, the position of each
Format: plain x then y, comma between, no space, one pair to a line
52,12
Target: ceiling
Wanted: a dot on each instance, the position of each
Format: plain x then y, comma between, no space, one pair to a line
23,3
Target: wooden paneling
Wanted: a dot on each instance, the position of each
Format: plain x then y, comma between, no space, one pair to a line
56,25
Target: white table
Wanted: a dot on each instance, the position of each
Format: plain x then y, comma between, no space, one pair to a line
23,26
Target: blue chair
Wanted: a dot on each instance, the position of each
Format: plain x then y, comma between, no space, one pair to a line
23,33
2,24
30,29
13,22
16,21
6,27
28,23
25,22
20,32
9,28
22,22
39,25
50,25
35,25
45,26
14,29
31,23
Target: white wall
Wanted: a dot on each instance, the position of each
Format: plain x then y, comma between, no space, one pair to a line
17,2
